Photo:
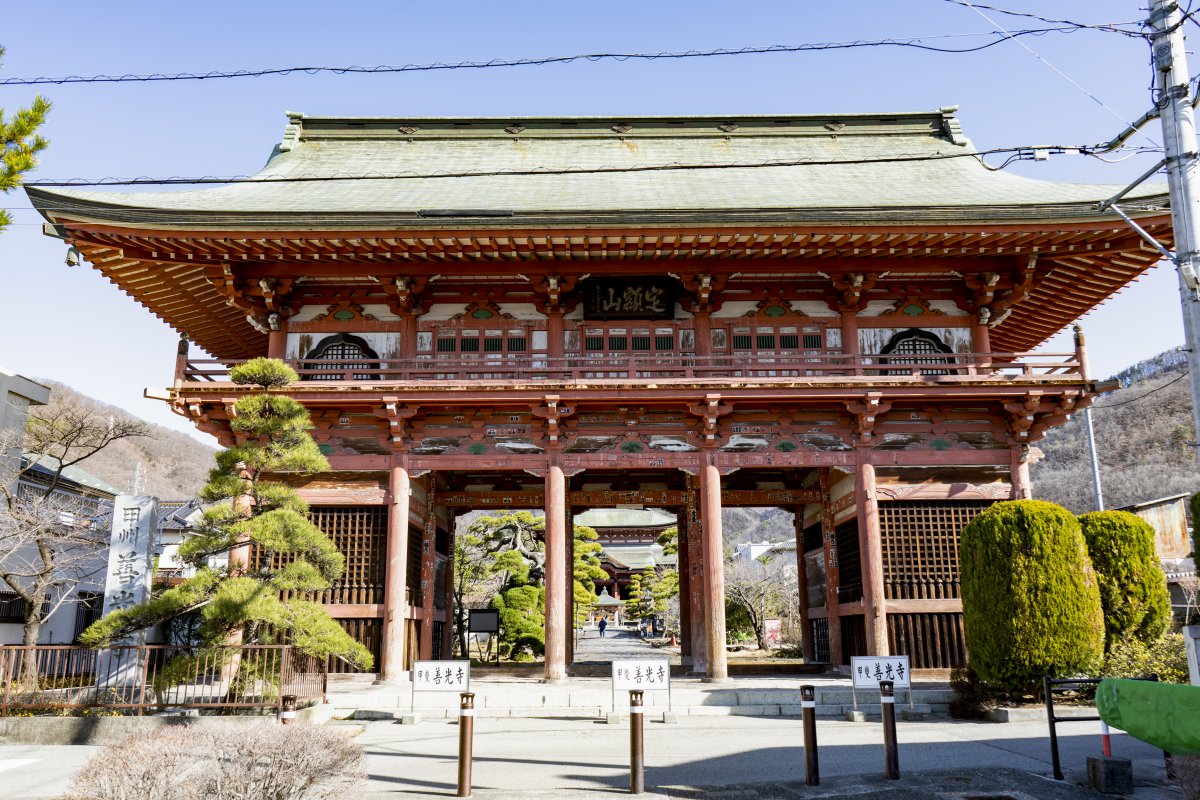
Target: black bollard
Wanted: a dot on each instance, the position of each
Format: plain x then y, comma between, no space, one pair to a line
287,710
808,706
466,739
637,759
887,702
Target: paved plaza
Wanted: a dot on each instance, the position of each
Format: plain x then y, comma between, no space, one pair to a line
733,757
717,757
617,644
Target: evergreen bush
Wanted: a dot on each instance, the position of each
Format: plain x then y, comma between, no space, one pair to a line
1164,656
1133,588
1031,603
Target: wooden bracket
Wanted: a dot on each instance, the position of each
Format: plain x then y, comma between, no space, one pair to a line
866,413
710,411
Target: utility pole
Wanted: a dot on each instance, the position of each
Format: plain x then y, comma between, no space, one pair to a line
1097,492
1179,138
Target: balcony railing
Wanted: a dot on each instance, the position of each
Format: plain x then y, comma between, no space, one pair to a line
641,367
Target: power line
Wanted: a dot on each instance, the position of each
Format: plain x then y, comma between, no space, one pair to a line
1111,27
917,42
976,8
1017,153
1176,379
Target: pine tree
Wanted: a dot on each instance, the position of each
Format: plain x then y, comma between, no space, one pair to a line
255,601
19,145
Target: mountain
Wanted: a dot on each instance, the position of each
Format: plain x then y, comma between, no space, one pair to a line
174,465
1144,442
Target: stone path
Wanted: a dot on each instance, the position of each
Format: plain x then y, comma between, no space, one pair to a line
618,643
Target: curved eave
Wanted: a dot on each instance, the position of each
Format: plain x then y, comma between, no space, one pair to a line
1087,256
58,206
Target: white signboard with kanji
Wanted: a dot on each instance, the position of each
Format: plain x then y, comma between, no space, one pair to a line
441,676
868,671
649,675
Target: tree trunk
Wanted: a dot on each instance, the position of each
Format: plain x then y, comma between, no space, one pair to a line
28,673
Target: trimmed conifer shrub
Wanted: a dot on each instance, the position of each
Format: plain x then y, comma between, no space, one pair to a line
1031,603
1133,588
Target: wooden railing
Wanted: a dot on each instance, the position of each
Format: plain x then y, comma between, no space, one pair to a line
640,367
149,677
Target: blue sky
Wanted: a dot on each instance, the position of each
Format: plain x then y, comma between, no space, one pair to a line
71,325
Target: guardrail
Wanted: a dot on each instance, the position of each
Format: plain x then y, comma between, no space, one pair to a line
154,677
589,368
1052,686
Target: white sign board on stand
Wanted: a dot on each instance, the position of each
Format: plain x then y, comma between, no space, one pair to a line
647,674
868,671
1191,638
441,676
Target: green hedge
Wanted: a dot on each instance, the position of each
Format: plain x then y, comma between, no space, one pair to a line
1133,588
1031,603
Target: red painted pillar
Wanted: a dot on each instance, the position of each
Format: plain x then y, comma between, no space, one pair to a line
685,600
702,331
447,588
981,344
832,570
1022,487
870,547
556,573
554,335
850,342
714,568
806,638
696,559
277,341
391,648
428,568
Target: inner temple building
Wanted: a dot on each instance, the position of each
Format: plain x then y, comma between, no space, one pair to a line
834,315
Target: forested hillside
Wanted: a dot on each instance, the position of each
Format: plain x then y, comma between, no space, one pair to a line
1143,439
174,465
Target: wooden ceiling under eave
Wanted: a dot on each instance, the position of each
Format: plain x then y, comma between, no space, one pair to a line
1080,264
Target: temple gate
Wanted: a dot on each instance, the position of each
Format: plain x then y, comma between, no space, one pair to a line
833,315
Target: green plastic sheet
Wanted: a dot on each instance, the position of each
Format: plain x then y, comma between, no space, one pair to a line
1165,715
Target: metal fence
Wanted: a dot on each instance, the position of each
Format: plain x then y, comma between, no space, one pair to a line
155,677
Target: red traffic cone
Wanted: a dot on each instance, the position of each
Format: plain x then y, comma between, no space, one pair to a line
674,643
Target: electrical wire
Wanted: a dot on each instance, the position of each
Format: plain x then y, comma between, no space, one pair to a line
975,7
1107,406
1111,27
917,42
1025,152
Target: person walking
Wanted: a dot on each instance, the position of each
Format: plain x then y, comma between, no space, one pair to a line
603,626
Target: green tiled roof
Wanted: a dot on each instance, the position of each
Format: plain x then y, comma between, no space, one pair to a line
439,155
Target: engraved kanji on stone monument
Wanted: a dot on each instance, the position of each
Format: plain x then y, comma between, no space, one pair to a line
127,582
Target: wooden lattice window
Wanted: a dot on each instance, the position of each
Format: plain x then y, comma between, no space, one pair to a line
360,534
920,546
917,347
336,356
